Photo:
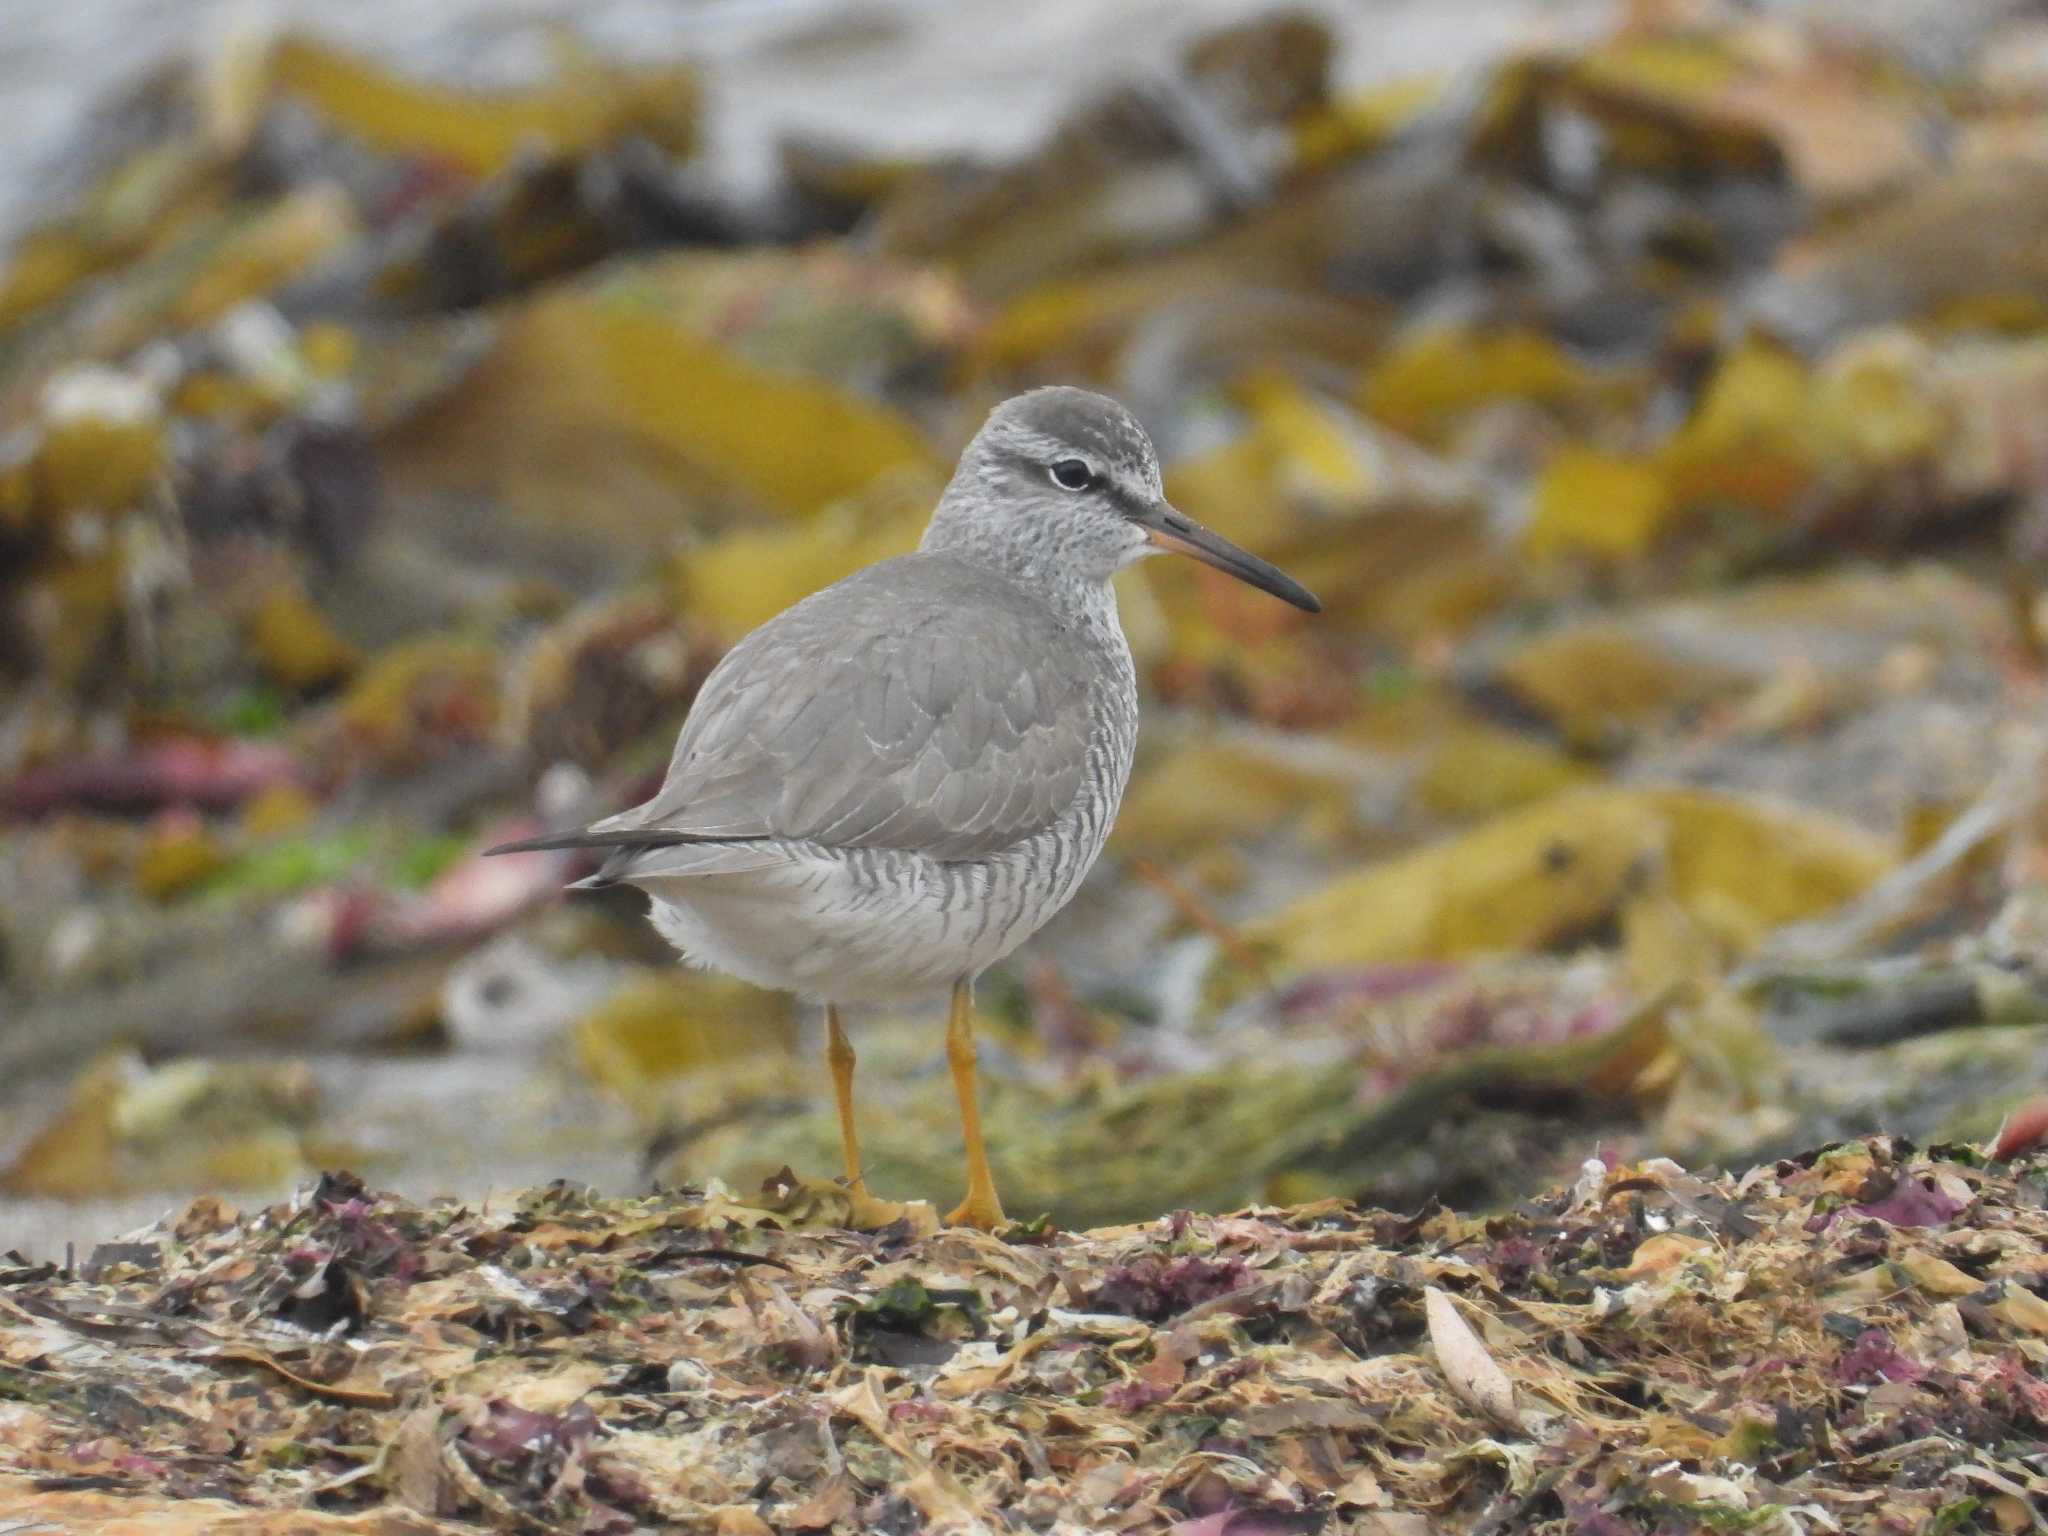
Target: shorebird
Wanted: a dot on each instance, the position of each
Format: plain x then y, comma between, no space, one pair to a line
888,787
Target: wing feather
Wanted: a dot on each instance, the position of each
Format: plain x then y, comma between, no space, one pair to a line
923,703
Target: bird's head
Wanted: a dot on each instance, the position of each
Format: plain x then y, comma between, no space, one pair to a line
1062,482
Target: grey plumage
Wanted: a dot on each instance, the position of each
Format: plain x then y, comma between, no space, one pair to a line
893,783
864,718
890,786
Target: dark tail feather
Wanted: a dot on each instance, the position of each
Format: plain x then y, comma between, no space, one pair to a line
645,837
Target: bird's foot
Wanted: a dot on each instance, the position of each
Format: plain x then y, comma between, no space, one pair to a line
980,1210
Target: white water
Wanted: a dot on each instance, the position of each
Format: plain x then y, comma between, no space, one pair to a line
898,76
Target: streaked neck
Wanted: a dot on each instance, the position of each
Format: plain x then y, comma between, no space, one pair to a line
1039,564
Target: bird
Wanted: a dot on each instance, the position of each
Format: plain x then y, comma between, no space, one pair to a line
892,784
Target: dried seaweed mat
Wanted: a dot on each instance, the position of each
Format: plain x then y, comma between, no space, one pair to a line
1853,1340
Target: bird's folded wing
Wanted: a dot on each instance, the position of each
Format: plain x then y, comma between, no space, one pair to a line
920,704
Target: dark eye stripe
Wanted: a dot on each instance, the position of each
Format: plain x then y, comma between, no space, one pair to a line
1130,503
1127,503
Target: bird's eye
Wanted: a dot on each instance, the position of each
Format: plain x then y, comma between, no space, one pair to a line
1072,475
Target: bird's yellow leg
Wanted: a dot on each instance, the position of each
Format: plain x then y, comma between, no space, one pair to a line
981,1208
839,1056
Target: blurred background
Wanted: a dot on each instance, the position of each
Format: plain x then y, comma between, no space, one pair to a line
402,407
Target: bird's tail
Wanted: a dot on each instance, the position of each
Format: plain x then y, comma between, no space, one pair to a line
651,851
590,837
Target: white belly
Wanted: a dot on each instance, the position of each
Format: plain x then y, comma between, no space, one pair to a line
878,926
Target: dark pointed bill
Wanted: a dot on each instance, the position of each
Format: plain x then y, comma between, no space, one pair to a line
1184,536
